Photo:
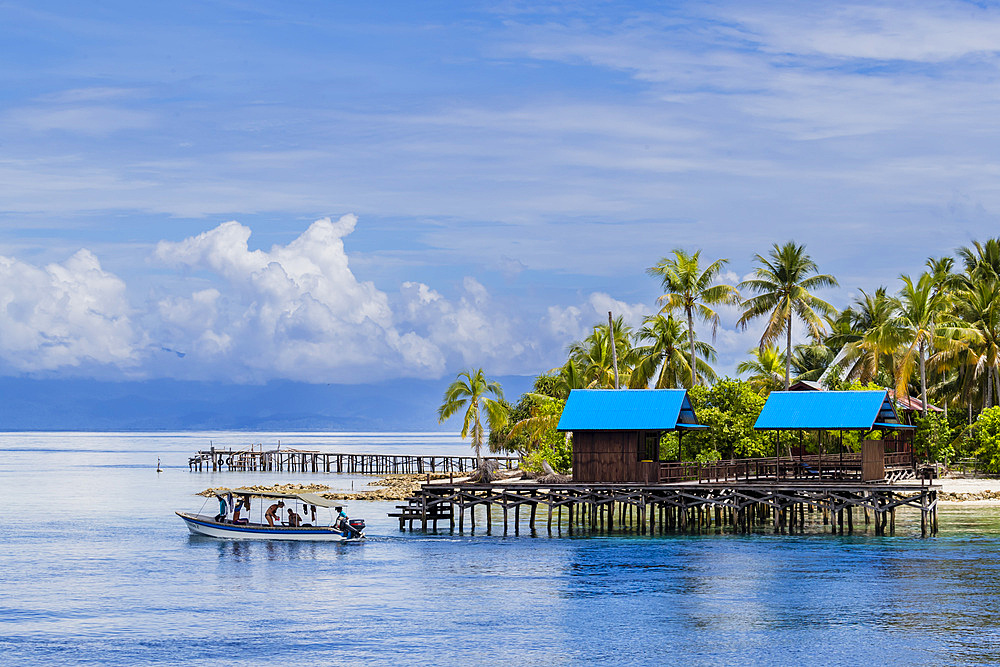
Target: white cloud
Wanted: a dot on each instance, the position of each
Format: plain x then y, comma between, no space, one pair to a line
295,311
575,322
64,315
96,120
474,330
895,32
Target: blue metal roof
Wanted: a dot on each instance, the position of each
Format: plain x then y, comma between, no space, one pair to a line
832,410
627,410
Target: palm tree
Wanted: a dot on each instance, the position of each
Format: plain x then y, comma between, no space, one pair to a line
593,356
764,367
876,334
982,260
692,289
977,336
782,283
470,388
810,360
663,359
922,309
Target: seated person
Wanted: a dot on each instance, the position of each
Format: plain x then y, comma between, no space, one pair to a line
294,520
272,513
223,509
342,522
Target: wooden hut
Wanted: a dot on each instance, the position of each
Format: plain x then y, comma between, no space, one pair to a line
616,432
839,411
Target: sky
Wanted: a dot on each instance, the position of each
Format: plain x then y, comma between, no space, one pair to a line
330,192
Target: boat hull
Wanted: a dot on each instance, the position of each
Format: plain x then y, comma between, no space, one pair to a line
205,526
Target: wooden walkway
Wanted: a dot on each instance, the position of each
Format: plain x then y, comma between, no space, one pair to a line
739,507
295,460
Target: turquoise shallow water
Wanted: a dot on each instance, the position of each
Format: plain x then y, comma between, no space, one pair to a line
96,569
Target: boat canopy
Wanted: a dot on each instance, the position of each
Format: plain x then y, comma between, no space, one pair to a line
307,498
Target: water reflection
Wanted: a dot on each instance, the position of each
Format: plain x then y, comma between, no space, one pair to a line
246,551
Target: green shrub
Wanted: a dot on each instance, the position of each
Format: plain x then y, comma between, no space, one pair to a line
986,439
933,437
729,408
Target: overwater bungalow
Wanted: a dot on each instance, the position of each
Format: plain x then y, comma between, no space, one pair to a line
616,433
827,416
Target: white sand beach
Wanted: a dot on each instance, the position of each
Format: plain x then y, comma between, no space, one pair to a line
969,490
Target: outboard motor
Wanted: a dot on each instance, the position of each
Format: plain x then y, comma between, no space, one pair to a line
355,528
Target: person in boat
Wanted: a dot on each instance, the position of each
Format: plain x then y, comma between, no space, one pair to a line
244,504
223,509
294,520
342,521
273,513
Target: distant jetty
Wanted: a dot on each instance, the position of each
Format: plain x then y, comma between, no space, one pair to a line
299,460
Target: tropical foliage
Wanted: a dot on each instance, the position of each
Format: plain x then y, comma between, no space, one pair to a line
986,439
782,282
934,336
692,289
470,391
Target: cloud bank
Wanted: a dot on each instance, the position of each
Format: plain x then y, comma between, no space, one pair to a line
296,311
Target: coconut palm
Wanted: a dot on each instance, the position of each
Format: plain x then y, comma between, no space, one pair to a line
782,282
690,288
810,360
876,334
469,390
594,359
764,368
982,260
663,359
976,333
922,313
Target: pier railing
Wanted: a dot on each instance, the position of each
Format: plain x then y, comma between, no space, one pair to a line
844,466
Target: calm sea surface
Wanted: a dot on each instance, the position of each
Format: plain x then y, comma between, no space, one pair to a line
96,569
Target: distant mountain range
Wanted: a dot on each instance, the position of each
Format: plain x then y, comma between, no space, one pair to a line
168,405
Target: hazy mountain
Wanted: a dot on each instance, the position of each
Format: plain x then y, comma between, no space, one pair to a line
87,405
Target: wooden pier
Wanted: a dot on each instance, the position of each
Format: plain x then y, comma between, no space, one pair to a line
656,509
297,460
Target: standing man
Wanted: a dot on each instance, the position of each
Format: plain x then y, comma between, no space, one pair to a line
272,513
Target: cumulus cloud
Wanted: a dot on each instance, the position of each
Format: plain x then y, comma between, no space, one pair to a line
64,315
576,322
294,311
472,328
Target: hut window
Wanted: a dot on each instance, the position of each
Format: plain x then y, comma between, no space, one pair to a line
649,446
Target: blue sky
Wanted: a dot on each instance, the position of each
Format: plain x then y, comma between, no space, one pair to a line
348,192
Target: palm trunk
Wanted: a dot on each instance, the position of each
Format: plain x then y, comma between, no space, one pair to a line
923,382
614,351
694,373
788,355
477,437
996,379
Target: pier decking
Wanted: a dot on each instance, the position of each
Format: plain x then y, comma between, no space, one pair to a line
786,506
295,460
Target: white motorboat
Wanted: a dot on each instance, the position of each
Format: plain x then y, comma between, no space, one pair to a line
231,525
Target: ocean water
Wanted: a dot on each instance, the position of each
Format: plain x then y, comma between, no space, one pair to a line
96,569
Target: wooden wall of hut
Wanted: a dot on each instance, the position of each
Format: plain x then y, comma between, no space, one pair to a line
611,456
872,460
